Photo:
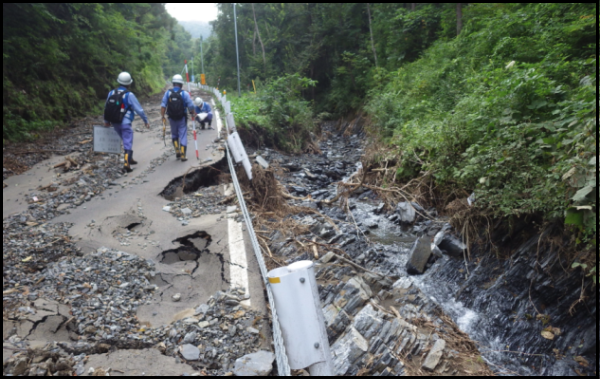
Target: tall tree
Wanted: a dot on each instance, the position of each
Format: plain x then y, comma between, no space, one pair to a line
371,32
459,18
259,39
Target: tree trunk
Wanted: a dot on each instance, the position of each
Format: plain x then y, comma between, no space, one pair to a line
254,44
459,18
259,39
372,39
413,6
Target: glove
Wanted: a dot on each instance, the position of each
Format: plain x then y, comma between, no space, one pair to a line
147,126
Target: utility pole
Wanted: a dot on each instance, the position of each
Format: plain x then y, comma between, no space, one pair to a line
237,51
202,53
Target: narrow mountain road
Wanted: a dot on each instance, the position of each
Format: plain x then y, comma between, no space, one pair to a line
196,249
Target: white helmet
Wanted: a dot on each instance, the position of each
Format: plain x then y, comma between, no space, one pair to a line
177,79
124,79
199,102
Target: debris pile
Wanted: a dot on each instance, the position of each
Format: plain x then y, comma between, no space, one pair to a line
218,333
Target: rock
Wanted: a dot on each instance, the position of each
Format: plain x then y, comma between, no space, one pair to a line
186,211
435,355
189,352
20,367
453,246
450,244
419,257
406,213
319,193
166,209
231,209
190,338
176,297
335,239
328,257
379,208
347,351
257,364
300,191
326,233
201,310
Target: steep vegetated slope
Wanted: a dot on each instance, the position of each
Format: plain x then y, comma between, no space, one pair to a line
60,59
508,109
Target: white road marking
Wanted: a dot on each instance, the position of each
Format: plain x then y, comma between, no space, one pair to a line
238,267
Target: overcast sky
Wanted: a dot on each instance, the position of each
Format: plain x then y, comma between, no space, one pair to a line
193,11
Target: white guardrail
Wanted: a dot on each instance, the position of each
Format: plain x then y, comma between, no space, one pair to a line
280,352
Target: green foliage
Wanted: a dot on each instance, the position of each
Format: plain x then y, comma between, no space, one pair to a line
283,119
67,57
508,109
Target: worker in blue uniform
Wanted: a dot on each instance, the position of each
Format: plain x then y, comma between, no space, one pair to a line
174,104
204,113
121,106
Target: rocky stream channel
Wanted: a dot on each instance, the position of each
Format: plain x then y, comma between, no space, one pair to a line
524,316
397,296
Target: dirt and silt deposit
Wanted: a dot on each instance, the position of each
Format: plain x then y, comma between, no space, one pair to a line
70,311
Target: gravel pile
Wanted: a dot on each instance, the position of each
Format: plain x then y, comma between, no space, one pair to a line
222,331
27,251
203,202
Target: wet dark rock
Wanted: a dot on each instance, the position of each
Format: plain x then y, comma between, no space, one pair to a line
379,208
300,191
450,244
420,256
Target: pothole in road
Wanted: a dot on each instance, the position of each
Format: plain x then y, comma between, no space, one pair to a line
217,173
194,256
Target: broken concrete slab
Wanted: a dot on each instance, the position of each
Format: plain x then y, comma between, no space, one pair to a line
435,355
261,161
139,362
420,255
50,330
257,364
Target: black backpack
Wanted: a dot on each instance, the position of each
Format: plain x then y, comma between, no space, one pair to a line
176,106
115,108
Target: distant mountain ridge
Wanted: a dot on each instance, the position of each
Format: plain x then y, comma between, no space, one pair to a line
197,28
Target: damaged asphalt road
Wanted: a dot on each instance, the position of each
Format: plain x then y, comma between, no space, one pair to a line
97,261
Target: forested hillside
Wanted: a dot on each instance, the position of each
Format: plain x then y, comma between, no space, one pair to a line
60,60
496,99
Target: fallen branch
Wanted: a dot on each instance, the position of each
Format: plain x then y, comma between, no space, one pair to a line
266,246
315,249
357,266
356,187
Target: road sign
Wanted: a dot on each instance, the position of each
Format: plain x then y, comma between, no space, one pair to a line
106,140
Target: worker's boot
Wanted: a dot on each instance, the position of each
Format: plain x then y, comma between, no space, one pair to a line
127,166
177,152
131,161
183,153
202,125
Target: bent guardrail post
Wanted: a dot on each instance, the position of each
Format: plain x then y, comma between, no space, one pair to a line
298,305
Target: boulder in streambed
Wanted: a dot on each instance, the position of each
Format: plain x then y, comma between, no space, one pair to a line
419,257
406,213
449,244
